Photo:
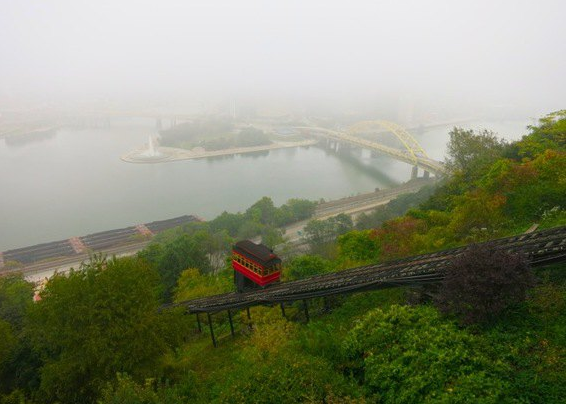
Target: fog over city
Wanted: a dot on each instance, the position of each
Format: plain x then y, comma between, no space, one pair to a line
116,113
486,54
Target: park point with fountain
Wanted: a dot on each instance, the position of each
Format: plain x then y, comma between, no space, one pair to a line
147,154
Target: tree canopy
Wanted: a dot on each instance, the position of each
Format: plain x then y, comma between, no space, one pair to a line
93,323
470,152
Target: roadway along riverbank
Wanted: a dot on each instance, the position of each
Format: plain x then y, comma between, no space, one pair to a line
353,206
40,270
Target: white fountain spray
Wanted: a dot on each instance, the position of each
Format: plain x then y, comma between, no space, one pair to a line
152,148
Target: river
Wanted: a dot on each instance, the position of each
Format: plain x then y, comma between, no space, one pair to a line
73,182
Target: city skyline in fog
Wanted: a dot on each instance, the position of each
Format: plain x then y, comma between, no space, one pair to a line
500,54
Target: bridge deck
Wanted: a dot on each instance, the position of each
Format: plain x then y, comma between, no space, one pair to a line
423,162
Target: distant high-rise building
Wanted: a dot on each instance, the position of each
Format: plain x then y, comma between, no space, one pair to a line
406,110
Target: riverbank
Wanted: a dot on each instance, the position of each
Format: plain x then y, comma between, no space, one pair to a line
352,206
168,154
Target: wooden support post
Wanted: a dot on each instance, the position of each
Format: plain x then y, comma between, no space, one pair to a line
211,329
306,310
198,323
326,305
249,319
283,309
231,323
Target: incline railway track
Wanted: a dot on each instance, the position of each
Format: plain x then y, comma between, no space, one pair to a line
540,248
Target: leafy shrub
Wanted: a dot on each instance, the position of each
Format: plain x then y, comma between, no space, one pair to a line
532,340
482,282
15,298
410,354
172,258
15,397
553,218
192,284
477,210
395,239
287,377
126,391
322,340
358,246
271,335
549,134
305,266
7,342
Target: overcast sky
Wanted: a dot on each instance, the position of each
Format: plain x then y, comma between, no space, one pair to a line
498,51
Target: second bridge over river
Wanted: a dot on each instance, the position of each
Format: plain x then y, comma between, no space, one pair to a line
357,134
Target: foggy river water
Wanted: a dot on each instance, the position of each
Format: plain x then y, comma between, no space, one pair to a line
73,183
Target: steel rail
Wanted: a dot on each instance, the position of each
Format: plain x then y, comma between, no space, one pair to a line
540,248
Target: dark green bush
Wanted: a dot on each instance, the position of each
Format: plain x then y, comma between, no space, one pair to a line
410,354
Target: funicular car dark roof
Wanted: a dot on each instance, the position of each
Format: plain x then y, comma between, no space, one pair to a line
258,252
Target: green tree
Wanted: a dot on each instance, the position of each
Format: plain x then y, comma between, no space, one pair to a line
192,284
171,258
373,219
16,296
93,323
301,209
271,236
342,223
252,137
127,391
358,246
469,152
284,378
262,211
411,355
217,246
230,222
320,232
8,343
478,211
550,133
305,266
18,362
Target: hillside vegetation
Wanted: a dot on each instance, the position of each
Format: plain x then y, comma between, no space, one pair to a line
97,335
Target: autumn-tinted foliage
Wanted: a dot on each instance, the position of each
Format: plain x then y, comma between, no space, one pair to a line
394,238
482,282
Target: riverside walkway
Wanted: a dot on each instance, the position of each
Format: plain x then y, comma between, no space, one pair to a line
169,154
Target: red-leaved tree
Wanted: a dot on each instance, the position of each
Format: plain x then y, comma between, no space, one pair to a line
482,282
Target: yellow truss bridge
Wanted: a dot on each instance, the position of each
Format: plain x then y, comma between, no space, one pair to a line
411,153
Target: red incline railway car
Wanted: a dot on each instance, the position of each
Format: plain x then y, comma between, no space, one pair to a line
255,265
